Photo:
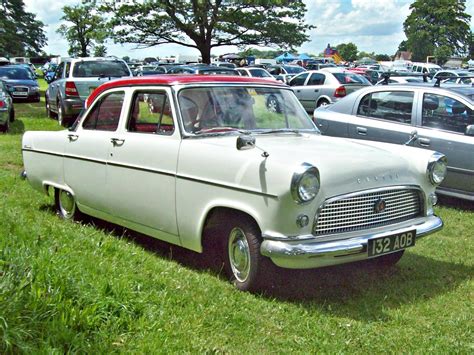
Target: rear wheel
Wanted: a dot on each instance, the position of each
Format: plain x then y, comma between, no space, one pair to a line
49,113
322,102
66,206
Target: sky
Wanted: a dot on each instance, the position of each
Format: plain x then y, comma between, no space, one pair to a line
372,25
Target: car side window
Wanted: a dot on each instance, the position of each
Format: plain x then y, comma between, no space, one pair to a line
316,79
105,114
68,69
299,80
446,113
393,106
151,113
243,72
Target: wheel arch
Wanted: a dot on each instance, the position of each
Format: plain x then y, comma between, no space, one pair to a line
323,98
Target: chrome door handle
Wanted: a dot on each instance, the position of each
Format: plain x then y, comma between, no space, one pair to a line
72,137
362,131
117,142
425,142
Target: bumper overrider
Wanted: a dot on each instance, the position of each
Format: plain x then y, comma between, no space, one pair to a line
305,252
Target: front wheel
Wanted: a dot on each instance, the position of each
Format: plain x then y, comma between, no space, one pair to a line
322,103
273,105
244,264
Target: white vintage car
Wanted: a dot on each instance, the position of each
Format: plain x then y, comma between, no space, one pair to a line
235,163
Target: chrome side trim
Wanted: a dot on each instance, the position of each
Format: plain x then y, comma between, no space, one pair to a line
301,254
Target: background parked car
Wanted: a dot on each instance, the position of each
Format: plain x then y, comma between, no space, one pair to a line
447,73
21,84
202,69
7,111
425,116
322,87
284,73
255,72
74,80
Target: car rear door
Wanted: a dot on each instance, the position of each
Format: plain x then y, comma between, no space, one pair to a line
86,153
384,116
141,167
442,119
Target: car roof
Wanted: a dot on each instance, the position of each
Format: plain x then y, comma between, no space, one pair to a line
179,79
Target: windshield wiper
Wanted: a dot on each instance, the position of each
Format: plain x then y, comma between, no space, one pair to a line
279,130
220,130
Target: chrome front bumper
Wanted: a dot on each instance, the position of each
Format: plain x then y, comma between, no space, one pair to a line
311,253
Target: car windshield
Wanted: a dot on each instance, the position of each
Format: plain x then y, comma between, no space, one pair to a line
15,73
350,78
102,68
239,108
294,69
433,70
260,73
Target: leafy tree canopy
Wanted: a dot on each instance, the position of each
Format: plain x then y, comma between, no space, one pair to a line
348,51
84,30
20,33
207,24
439,27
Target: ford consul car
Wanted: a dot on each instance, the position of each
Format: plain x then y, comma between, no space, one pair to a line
203,161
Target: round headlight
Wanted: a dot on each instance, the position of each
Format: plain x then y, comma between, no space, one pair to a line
437,168
305,183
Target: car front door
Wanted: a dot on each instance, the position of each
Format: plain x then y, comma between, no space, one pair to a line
86,152
442,127
384,116
141,168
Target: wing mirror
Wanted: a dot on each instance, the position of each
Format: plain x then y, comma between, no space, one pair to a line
470,130
413,137
245,142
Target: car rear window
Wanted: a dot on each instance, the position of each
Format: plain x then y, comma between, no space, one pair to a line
350,78
90,69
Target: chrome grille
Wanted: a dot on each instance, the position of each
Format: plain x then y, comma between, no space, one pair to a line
357,211
20,88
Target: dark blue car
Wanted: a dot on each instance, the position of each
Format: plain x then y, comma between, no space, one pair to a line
20,82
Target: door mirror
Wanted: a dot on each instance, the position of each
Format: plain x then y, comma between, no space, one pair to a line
470,130
245,142
413,137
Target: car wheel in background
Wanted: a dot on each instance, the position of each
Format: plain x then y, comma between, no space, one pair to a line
66,206
5,127
244,264
61,117
322,102
273,105
49,113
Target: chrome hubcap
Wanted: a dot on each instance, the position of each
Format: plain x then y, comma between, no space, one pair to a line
66,204
239,254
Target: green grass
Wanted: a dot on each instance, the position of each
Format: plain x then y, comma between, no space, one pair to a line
70,287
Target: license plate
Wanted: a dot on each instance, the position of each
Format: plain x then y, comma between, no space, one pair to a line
19,93
391,243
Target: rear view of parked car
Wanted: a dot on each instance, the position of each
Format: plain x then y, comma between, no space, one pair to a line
74,80
20,83
323,87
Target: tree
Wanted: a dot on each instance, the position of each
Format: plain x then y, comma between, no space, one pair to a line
471,47
86,30
20,33
207,24
439,26
382,57
348,51
100,50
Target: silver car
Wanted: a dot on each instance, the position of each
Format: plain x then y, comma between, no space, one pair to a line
7,112
420,115
316,88
75,79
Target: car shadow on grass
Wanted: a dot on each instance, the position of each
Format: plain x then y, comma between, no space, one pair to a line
357,291
17,127
456,203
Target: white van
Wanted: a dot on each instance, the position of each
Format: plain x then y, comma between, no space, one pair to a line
422,68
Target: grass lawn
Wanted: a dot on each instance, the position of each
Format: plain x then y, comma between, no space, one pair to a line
70,287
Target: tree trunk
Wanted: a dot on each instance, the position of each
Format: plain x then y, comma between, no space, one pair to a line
205,54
